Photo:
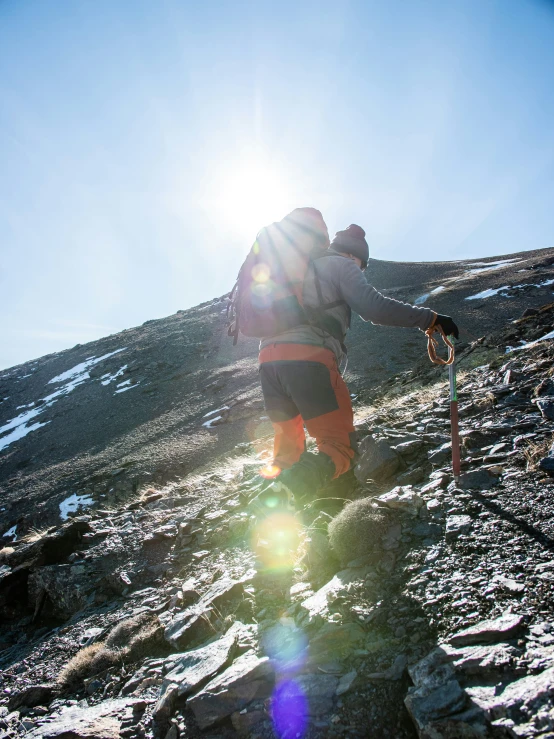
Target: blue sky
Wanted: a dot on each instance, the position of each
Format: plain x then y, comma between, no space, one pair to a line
143,144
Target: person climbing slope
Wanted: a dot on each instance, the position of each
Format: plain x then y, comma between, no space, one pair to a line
299,362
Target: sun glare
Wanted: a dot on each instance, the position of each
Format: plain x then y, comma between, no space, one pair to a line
250,193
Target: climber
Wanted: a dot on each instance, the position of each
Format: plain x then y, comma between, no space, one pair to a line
299,367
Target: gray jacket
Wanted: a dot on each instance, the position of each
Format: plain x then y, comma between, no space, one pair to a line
341,279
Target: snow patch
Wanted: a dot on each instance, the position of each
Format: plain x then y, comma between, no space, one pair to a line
489,293
107,378
79,369
489,266
11,532
423,298
19,433
527,345
74,377
211,422
71,504
218,410
126,385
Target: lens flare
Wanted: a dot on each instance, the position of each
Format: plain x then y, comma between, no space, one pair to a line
289,710
275,541
260,272
286,645
270,471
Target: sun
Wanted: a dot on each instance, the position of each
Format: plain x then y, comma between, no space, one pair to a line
249,193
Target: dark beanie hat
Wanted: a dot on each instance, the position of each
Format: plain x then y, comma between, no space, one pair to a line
352,241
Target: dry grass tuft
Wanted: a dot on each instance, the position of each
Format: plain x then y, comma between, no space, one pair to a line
131,640
88,662
357,530
535,451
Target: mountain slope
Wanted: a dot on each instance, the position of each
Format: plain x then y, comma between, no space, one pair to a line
104,418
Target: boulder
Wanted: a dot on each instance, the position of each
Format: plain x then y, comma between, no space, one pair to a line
248,679
478,480
194,668
546,407
456,526
102,721
377,461
194,623
403,499
506,626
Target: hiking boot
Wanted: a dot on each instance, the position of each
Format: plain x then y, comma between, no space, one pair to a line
276,498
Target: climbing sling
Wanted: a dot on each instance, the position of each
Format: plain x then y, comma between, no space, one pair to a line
432,344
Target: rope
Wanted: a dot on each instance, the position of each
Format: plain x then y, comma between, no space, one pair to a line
433,343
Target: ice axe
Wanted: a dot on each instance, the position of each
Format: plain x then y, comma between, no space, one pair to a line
432,344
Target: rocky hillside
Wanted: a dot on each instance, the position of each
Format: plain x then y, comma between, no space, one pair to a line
141,595
152,403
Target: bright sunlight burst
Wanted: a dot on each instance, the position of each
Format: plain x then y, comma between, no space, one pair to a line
250,193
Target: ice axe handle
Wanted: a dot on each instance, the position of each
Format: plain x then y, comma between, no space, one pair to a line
454,424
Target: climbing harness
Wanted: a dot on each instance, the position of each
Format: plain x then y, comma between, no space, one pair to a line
432,344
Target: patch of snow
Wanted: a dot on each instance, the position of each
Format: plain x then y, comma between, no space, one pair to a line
423,298
19,433
489,293
71,504
79,369
20,420
124,386
11,532
110,378
210,423
489,266
527,345
74,376
29,405
218,410
23,376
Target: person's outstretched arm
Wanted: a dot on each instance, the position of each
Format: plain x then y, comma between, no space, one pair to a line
372,306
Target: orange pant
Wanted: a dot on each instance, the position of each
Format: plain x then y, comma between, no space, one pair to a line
303,387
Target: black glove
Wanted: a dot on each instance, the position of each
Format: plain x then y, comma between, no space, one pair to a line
447,325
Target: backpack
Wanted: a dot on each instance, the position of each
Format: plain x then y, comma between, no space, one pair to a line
267,297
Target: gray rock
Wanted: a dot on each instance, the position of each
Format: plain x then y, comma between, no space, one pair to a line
194,668
193,623
524,707
317,604
546,407
319,691
378,461
34,695
483,660
427,705
391,540
441,455
102,721
456,526
402,498
67,585
499,629
347,682
547,464
318,551
249,678
335,641
394,672
478,480
163,710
